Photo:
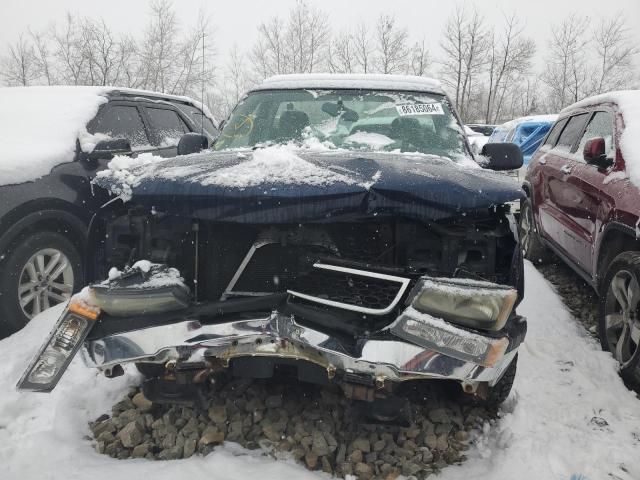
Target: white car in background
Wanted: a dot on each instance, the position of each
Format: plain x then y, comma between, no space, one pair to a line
476,139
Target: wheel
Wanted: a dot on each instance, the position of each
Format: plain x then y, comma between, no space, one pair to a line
500,391
533,248
41,271
619,321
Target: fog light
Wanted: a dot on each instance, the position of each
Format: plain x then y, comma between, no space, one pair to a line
476,304
55,355
436,334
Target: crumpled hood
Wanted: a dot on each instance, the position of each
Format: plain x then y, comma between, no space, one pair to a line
284,184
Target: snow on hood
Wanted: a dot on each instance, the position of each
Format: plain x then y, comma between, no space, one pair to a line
276,165
375,141
291,184
628,103
273,165
39,127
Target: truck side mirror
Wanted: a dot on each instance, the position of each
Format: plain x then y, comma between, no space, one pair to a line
192,143
502,156
594,153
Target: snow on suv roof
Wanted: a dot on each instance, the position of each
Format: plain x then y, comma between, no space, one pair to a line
351,81
620,97
628,103
39,126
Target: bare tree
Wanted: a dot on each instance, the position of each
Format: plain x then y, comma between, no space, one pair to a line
295,45
341,54
509,57
308,31
43,57
419,58
159,48
391,43
615,51
128,70
68,44
194,59
270,50
464,43
363,49
20,65
100,50
236,81
565,75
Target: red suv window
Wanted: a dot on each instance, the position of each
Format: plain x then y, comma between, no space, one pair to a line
571,132
601,125
552,138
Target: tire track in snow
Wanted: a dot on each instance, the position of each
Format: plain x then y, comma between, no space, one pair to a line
569,414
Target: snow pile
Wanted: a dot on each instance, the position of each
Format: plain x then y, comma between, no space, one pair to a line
41,435
615,177
375,141
352,81
120,176
273,165
150,275
569,415
39,127
628,103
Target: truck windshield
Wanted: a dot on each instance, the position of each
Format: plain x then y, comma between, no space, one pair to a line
347,119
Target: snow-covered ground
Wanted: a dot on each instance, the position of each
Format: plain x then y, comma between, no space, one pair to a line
569,416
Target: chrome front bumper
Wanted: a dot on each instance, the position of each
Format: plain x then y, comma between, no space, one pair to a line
278,336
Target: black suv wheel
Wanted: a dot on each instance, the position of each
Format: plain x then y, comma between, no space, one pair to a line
533,248
40,272
619,322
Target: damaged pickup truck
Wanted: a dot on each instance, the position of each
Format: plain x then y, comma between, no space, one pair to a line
339,230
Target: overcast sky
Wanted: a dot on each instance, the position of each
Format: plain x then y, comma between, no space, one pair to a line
236,21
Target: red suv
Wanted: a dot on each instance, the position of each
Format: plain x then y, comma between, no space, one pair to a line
583,204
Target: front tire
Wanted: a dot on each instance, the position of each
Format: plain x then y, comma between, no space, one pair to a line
40,271
533,248
619,320
501,390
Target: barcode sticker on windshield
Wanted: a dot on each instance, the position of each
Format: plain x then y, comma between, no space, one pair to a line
420,109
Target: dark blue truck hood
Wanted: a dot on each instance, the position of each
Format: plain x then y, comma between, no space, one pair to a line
286,185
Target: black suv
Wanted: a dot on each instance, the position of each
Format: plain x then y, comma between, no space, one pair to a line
43,223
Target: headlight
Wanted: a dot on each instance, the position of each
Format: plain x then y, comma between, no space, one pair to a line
121,302
440,336
55,355
472,303
141,290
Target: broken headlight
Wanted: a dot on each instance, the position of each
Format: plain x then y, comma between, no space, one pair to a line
475,304
440,336
55,355
123,302
143,289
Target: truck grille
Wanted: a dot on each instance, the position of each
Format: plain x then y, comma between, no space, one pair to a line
351,289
